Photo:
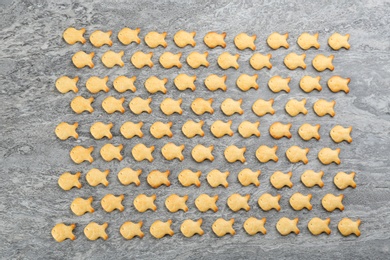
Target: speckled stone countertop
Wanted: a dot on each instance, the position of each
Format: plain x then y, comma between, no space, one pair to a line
34,55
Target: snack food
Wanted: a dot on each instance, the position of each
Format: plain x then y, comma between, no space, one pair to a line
99,38
61,231
94,231
322,107
65,84
279,179
294,61
237,202
192,128
110,59
183,38
175,203
111,202
95,177
298,201
72,35
111,105
200,153
348,227
243,41
277,84
138,105
155,39
265,153
308,84
64,130
170,151
247,177
214,82
79,154
233,153
143,202
321,62
339,134
169,60
129,230
140,59
259,61
81,59
245,82
276,40
318,226
110,152
230,106
154,85
253,226
286,226
214,39
267,202
187,178
200,106
196,59
123,83
344,180
337,41
294,107
67,181
297,154
156,178
190,227
130,129
311,178
169,106
227,60
278,130
262,107
247,129
95,84
159,129
204,203
127,176
220,128
327,156
159,229
141,152
184,81
308,131
81,206
222,227
80,104
337,84
331,202
216,178
126,36
307,40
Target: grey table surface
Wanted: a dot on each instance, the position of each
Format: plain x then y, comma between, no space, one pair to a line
34,55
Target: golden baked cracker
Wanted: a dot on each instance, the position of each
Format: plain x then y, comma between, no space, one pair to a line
344,180
279,179
99,38
127,176
196,59
169,60
99,130
298,201
204,203
233,153
190,227
130,129
126,36
259,61
222,227
308,131
308,84
192,128
65,84
230,106
129,230
80,104
243,41
61,231
170,151
220,128
331,202
294,107
322,107
123,83
200,153
247,177
170,106
294,61
337,41
184,81
93,231
297,154
138,105
95,84
337,84
237,202
183,38
111,105
79,154
72,35
81,206
187,178
267,202
111,202
81,59
110,152
339,134
227,60
200,106
277,84
159,129
143,202
307,40
278,130
327,156
247,129
95,177
216,178
155,39
111,58
262,107
214,39
286,226
156,178
64,130
318,226
154,85
321,62
348,227
265,153
159,229
311,178
245,82
276,40
140,152
140,59
253,226
67,181
214,82
175,203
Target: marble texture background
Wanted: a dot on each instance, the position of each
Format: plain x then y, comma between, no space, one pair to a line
33,56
